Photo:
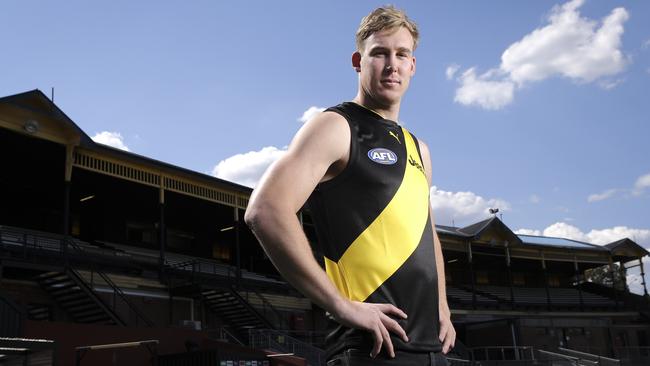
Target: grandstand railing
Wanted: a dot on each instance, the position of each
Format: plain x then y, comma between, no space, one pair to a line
222,334
281,342
590,358
268,311
140,317
502,353
76,277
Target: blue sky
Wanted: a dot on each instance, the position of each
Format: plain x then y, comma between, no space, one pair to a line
538,108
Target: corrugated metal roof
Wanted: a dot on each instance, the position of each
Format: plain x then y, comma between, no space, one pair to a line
559,243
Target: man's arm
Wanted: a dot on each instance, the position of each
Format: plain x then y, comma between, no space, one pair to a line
447,332
319,148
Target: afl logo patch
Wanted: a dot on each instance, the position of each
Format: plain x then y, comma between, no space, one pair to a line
382,156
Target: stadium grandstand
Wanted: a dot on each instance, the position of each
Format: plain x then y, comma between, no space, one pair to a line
112,258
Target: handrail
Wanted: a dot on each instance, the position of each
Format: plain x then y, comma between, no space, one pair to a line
76,277
116,291
226,335
275,311
520,350
250,308
570,358
588,354
119,291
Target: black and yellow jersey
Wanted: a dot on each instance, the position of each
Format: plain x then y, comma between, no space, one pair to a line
374,230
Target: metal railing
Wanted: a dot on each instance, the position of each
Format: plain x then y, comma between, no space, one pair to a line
502,353
117,292
590,358
78,280
557,358
222,334
281,342
268,311
140,317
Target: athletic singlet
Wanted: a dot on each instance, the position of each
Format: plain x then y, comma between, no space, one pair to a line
374,230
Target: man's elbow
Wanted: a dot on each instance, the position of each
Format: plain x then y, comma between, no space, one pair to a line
253,216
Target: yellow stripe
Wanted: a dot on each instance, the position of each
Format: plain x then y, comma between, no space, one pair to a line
389,240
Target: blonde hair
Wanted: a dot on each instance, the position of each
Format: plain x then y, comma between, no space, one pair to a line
385,17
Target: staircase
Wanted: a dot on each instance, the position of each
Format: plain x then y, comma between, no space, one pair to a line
70,291
234,311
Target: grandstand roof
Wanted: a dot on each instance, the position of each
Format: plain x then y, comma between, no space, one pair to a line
627,248
37,102
548,241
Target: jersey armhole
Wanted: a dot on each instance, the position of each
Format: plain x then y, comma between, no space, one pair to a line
342,176
417,145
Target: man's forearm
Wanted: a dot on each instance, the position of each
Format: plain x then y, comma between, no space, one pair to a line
287,246
440,268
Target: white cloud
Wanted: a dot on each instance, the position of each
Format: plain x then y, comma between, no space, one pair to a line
247,169
570,46
601,196
463,207
113,139
641,184
451,71
484,91
606,236
610,84
534,199
528,232
564,230
595,236
310,113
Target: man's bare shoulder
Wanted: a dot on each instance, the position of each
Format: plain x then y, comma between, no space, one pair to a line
327,131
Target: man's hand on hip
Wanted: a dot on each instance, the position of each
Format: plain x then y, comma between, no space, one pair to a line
375,319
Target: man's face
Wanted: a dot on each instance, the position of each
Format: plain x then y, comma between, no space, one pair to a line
386,65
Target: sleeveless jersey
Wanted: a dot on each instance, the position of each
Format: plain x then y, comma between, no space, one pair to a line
374,231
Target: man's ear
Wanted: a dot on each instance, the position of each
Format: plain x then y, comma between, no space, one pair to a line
413,67
356,61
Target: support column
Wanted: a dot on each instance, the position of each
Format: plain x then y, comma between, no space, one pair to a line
162,230
548,292
576,270
645,288
613,276
237,244
471,272
67,182
512,291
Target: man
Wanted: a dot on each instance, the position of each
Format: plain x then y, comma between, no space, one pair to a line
366,180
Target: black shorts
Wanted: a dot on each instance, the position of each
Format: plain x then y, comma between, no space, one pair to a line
355,357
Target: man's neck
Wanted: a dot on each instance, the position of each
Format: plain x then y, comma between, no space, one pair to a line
387,112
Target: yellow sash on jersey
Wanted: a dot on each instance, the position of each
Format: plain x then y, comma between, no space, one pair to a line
390,239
